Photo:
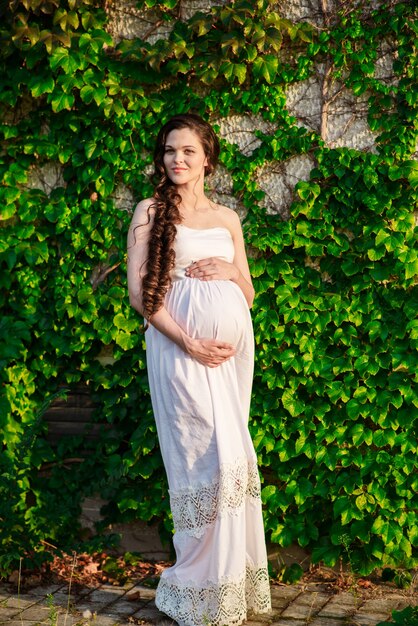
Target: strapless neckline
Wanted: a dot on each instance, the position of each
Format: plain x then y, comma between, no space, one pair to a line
199,230
195,244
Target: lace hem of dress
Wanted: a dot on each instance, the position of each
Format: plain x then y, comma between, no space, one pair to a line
216,604
195,509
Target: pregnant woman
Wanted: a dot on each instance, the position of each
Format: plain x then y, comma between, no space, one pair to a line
188,276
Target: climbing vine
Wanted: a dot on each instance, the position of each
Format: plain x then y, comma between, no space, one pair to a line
334,412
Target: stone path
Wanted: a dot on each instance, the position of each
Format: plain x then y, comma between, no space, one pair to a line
108,605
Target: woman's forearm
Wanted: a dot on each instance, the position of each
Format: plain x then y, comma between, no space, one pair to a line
209,352
164,323
246,288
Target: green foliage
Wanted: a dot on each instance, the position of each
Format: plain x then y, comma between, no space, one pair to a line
402,578
291,575
406,617
334,410
25,505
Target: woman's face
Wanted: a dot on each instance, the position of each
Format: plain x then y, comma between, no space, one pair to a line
184,158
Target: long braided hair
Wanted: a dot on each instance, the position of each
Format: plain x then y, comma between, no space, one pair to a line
161,255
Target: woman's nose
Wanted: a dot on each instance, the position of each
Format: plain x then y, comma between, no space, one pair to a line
178,157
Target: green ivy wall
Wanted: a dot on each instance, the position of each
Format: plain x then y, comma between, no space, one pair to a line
332,247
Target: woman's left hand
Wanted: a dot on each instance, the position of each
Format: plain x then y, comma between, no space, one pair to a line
213,268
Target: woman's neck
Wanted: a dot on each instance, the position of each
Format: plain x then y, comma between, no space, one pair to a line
192,201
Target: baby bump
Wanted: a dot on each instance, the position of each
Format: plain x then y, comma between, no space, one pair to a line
212,309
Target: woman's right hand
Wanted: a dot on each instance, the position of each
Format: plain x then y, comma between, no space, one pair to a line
209,352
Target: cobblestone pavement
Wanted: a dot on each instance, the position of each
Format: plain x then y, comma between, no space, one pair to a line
109,605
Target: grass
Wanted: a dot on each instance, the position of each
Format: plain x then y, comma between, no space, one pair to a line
53,612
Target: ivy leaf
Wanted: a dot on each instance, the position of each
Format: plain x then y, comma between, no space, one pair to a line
87,93
39,85
234,70
375,254
292,404
7,211
68,60
413,174
353,409
66,19
266,67
61,100
92,149
202,26
104,186
250,53
99,95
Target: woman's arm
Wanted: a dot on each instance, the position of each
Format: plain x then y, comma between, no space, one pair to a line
138,237
241,262
210,352
238,271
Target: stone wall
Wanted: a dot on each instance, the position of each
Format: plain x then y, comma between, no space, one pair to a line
320,103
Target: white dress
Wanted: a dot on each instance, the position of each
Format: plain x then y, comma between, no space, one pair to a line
201,415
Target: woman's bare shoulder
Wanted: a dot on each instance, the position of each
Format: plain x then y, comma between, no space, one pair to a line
229,217
144,211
